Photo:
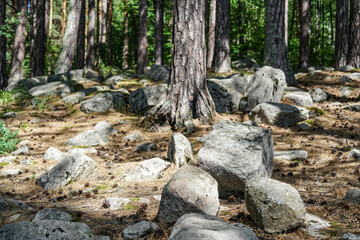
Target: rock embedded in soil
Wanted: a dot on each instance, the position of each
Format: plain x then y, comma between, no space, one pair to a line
9,115
74,98
133,137
201,226
147,170
18,204
114,203
52,88
345,91
103,102
274,206
353,196
318,95
53,154
69,168
3,205
10,172
346,68
314,224
350,236
292,155
190,190
7,159
140,230
146,147
235,153
353,108
23,150
180,151
299,97
52,214
355,153
143,99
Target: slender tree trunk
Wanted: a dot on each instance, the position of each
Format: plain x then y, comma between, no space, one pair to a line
222,59
304,61
109,38
293,16
159,33
66,56
125,52
90,52
3,79
63,21
102,29
276,53
286,20
331,21
142,56
17,69
354,34
211,38
341,41
38,29
188,96
80,49
51,17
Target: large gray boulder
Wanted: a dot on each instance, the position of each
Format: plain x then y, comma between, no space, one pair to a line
180,151
147,170
144,99
318,95
190,190
52,88
139,230
103,102
274,206
52,214
199,226
159,73
298,97
235,153
27,83
69,168
282,115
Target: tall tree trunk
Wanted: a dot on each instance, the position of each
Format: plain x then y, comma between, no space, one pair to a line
304,61
188,96
51,10
293,16
354,34
90,52
276,53
222,59
63,21
109,38
211,38
142,56
17,70
159,33
341,40
38,30
3,80
66,56
80,49
102,29
286,20
331,21
125,52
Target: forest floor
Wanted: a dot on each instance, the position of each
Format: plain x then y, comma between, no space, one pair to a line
322,179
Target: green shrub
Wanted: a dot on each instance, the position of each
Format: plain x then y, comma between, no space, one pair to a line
40,102
8,139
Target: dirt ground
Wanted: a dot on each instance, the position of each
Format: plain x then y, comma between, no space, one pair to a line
322,180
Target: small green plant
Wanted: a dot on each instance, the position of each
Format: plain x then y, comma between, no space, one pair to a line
134,199
8,139
102,187
40,102
3,164
129,207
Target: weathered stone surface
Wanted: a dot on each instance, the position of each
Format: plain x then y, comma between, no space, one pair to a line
318,95
52,214
350,236
146,147
114,203
7,159
94,76
115,80
345,91
139,230
282,115
103,102
159,73
200,226
147,170
234,153
83,150
299,97
10,172
23,150
3,205
353,196
28,83
243,63
53,154
133,137
52,88
69,168
292,155
18,204
143,99
274,206
313,226
353,108
90,90
346,68
9,115
355,153
74,98
180,151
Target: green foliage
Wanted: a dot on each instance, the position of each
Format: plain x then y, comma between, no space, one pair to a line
7,29
41,102
18,95
8,139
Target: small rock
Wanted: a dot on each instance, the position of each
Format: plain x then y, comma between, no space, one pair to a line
346,68
114,203
311,69
10,115
314,224
53,154
23,150
304,125
26,162
144,82
14,217
18,204
318,95
353,196
353,108
180,150
139,230
146,147
345,92
3,205
74,98
10,172
7,159
52,214
147,170
83,151
36,120
355,153
299,97
293,155
350,236
103,102
133,137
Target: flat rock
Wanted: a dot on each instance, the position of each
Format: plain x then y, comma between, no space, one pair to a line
82,150
353,108
274,206
23,150
103,102
346,68
52,88
350,236
147,170
53,154
52,214
144,99
201,226
9,115
74,98
115,80
7,159
293,155
146,147
133,137
299,97
314,224
139,230
159,73
189,190
180,151
114,203
235,153
353,196
355,153
10,172
318,95
18,204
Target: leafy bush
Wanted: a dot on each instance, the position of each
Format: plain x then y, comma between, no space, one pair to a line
8,139
40,102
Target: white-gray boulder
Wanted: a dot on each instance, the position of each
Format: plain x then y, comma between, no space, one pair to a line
147,170
74,98
355,153
143,99
52,88
292,155
9,115
53,154
52,214
8,159
318,95
23,150
133,137
298,97
180,151
103,102
346,68
159,73
10,172
139,230
114,203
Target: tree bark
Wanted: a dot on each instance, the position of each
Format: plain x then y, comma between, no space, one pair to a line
3,79
304,60
211,38
109,38
286,20
142,56
102,30
125,52
222,60
276,53
38,42
17,69
188,96
354,34
90,52
51,10
341,39
159,33
66,56
63,21
80,49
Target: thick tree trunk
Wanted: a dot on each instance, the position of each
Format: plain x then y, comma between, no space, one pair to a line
66,56
276,53
3,79
304,61
188,96
354,34
341,39
90,52
211,38
125,52
222,60
17,70
80,49
142,56
159,33
109,38
39,38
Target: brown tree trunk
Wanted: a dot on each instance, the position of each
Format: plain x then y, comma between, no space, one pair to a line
354,34
341,39
63,21
142,56
276,53
102,29
159,33
39,37
222,60
304,61
3,79
211,38
90,52
188,96
80,49
17,70
109,38
125,52
51,10
286,21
